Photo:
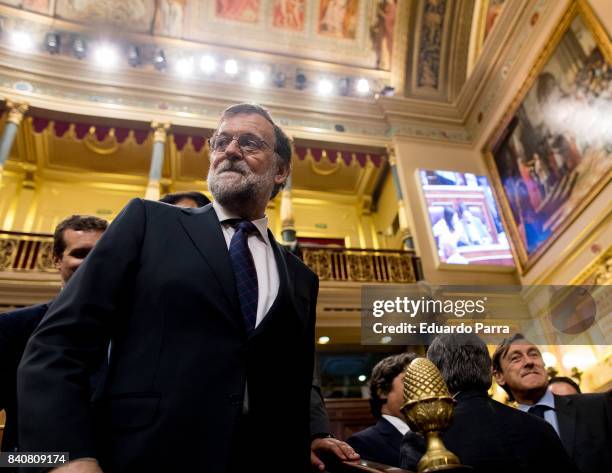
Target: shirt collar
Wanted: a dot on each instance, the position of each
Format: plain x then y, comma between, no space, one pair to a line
398,423
261,223
548,399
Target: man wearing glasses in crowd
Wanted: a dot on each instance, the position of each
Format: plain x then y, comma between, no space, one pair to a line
212,325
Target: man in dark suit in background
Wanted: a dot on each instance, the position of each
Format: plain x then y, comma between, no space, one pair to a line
582,421
73,239
485,434
381,442
190,199
212,327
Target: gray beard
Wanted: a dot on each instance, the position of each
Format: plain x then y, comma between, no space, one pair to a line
246,197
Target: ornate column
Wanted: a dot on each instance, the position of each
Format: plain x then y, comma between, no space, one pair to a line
16,111
401,210
157,159
286,213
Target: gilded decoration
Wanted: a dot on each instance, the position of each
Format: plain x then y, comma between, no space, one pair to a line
26,252
16,112
340,264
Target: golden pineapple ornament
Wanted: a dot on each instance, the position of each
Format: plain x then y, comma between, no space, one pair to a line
428,408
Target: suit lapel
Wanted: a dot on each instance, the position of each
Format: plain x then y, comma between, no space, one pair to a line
566,418
286,279
204,230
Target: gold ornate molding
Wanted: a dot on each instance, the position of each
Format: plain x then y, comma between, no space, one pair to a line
160,131
16,111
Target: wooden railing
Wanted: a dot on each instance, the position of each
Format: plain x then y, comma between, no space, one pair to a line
26,251
362,265
361,467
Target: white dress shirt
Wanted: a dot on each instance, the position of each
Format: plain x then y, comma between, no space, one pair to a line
268,280
263,257
398,423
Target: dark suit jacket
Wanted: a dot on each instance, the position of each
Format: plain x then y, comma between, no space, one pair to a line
585,428
492,437
16,327
160,284
379,443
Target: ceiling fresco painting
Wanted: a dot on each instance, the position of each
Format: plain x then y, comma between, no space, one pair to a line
289,14
355,33
135,15
169,18
430,43
382,30
494,8
338,18
238,10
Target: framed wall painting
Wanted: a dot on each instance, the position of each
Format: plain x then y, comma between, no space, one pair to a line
552,152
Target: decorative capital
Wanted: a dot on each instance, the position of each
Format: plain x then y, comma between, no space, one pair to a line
16,111
160,131
391,154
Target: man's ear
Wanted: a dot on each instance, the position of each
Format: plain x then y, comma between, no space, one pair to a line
282,173
499,378
56,262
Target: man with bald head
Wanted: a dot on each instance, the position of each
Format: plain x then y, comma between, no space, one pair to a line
212,325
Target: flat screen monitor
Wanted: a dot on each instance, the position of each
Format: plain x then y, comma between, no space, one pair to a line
465,222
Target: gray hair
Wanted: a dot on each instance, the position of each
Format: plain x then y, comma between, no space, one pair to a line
282,145
463,360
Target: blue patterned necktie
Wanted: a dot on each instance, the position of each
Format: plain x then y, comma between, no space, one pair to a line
244,270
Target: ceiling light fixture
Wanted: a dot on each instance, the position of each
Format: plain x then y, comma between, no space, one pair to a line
325,87
106,56
231,67
208,65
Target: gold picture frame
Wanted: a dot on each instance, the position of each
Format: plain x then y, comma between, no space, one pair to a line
541,193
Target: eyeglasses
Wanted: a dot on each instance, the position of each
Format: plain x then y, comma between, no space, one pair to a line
249,144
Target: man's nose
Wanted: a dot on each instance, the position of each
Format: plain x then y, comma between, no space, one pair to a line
233,148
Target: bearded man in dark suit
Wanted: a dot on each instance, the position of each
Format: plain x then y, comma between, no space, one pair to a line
212,329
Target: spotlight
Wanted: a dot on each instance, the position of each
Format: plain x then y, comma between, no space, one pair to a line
256,77
79,48
106,56
208,64
324,340
52,43
300,81
159,60
280,79
21,41
133,56
184,66
362,377
325,87
363,86
344,86
231,67
387,91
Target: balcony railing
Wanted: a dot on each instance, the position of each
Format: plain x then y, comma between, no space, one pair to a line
34,252
362,265
26,251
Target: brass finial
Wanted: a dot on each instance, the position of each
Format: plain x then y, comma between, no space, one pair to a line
428,408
